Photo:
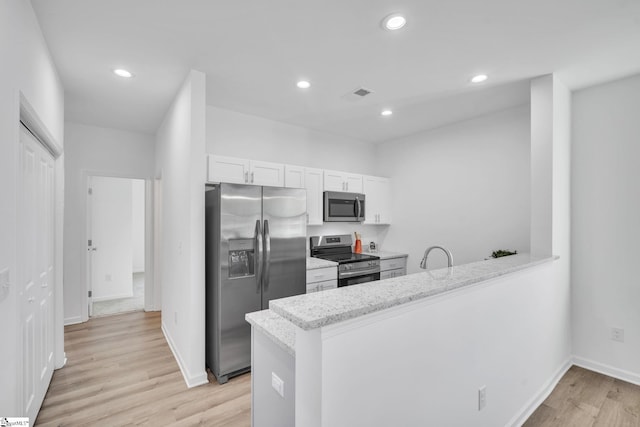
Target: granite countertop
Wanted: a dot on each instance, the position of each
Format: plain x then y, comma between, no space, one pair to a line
280,330
387,254
311,311
315,263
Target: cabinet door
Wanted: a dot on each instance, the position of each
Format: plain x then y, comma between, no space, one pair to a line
313,184
293,176
227,169
386,274
353,182
266,173
372,201
383,194
334,181
378,201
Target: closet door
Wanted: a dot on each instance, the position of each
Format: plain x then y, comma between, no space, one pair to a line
35,218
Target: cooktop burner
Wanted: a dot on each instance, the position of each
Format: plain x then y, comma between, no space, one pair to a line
347,257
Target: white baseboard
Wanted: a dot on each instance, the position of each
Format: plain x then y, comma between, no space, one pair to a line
190,380
110,297
72,320
621,374
520,418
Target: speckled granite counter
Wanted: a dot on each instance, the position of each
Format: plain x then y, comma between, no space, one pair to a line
319,309
280,330
315,263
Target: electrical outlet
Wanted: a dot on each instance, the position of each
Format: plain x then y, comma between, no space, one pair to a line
277,384
482,397
617,334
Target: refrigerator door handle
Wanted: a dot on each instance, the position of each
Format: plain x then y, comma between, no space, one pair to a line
259,257
267,254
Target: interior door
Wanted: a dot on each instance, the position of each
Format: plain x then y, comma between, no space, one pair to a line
35,211
110,236
285,234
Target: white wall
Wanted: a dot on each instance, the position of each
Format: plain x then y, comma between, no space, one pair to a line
463,186
240,135
181,163
137,227
605,226
26,67
508,334
99,151
111,231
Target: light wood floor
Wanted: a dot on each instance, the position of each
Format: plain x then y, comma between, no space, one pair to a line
584,398
121,372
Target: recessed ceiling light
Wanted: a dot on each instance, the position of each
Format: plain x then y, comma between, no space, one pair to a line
479,78
122,73
303,84
394,22
386,113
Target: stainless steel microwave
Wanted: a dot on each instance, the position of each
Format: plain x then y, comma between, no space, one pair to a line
343,207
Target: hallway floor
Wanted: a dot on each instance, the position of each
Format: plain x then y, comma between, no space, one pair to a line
121,372
123,305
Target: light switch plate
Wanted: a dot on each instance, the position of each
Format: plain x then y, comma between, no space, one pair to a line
277,384
5,286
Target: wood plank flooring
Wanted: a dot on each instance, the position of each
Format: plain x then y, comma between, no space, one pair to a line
584,398
121,372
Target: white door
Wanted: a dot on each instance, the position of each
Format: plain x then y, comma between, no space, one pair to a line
110,235
35,269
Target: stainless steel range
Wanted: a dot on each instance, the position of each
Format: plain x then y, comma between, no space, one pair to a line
352,268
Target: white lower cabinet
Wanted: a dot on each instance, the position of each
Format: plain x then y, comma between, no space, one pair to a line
393,267
321,279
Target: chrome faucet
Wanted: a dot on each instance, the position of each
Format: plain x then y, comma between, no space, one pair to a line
423,263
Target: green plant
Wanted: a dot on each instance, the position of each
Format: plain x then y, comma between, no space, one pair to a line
501,252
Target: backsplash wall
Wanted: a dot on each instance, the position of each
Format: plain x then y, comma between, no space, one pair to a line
369,232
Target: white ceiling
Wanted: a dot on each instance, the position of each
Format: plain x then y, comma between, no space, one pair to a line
254,51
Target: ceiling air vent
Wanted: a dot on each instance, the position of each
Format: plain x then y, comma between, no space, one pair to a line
357,94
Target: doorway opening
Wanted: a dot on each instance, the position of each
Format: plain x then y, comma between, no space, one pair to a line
116,230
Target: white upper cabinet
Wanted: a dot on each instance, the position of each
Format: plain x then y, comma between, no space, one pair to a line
227,169
342,181
243,171
313,184
293,176
378,200
266,173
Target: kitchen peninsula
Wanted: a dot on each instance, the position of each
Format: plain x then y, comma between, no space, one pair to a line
413,350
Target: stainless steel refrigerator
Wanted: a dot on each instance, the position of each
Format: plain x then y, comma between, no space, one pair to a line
255,252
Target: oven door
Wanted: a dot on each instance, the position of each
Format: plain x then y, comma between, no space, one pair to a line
343,207
348,281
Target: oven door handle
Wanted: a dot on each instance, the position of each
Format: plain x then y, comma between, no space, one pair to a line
357,273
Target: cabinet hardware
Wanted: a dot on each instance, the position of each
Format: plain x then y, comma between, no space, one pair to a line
252,177
246,177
